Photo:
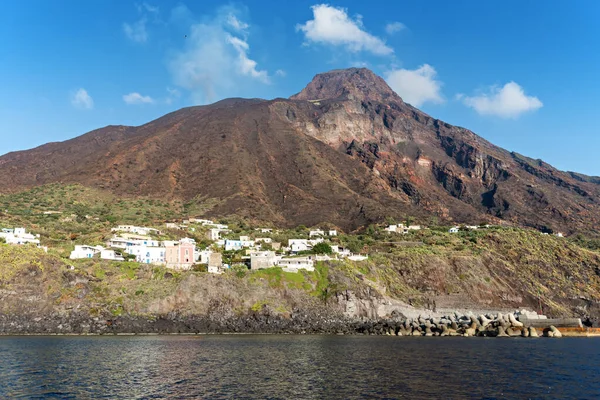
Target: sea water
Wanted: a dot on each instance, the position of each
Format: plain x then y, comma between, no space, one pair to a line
298,367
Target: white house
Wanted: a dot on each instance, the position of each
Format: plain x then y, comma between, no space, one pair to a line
401,228
394,228
357,257
243,242
264,230
172,225
454,229
293,264
317,232
203,256
332,232
106,254
85,251
559,234
263,240
263,259
340,251
247,243
140,230
217,226
19,236
148,254
214,234
198,221
126,240
233,245
297,245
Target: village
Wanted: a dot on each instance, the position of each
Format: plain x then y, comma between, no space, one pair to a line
257,251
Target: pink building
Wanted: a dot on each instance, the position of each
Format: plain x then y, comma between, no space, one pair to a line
180,255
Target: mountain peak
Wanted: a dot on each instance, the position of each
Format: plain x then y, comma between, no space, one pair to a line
351,83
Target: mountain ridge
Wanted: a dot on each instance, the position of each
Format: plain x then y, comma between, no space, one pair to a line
346,150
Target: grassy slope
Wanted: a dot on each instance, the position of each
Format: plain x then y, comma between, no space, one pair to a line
498,267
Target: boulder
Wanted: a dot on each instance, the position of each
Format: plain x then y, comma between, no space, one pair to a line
445,331
513,320
511,332
484,321
533,332
474,321
502,332
555,332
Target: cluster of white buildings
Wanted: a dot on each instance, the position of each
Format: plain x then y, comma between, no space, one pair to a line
19,236
557,234
139,230
85,251
319,232
401,228
456,229
142,244
134,240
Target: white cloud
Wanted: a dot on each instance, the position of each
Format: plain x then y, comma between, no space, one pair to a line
416,86
246,66
150,8
281,73
236,24
332,25
509,101
359,64
81,99
136,98
173,94
137,31
216,59
394,27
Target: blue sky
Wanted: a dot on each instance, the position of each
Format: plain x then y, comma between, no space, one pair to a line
522,74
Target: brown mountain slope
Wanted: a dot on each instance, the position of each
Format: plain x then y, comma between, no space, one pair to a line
346,150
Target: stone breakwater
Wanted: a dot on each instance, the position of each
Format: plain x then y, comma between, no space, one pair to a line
267,321
500,325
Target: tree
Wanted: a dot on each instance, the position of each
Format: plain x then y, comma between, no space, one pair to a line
81,212
322,248
371,230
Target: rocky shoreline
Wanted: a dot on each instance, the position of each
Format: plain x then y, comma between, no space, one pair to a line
267,322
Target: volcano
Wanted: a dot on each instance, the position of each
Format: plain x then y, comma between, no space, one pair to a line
346,150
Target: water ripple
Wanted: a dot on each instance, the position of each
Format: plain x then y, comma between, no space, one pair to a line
297,367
